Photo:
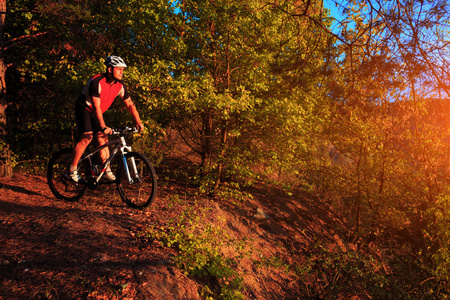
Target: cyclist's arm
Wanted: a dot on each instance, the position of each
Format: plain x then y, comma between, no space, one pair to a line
133,111
98,112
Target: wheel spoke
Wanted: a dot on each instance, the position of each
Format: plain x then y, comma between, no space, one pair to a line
142,191
61,186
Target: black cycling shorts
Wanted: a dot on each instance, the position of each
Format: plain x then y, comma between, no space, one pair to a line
86,120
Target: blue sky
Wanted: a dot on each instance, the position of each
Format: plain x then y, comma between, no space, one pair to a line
332,7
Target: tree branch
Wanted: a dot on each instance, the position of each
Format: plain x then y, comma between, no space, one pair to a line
22,39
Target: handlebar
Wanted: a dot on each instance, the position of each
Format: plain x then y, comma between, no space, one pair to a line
120,131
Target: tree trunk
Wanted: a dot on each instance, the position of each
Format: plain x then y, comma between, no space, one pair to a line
5,153
223,142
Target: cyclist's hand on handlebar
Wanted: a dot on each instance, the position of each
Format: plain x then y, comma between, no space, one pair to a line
107,130
140,127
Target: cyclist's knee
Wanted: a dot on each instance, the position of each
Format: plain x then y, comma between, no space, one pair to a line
102,139
87,137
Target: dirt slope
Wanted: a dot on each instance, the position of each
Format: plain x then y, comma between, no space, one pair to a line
79,250
52,249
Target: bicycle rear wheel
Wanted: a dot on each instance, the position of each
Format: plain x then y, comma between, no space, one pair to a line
142,190
58,181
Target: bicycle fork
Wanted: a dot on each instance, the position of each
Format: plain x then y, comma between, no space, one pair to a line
124,149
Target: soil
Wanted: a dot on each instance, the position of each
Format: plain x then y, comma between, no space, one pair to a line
89,249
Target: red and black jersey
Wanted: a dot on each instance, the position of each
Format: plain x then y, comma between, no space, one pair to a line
98,86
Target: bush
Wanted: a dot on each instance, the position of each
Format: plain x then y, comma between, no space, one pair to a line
200,244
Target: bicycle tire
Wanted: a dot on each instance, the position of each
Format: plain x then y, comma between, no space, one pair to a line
57,180
142,191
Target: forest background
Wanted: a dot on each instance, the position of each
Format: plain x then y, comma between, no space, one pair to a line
354,111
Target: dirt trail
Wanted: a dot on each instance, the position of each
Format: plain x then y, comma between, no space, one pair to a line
52,249
86,249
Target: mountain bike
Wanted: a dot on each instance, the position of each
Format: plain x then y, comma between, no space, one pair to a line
135,177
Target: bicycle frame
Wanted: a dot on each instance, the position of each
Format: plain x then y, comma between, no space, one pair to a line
135,177
120,146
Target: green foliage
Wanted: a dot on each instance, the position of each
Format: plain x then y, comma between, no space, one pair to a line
438,233
6,156
200,246
33,166
226,68
274,262
227,74
339,273
232,192
45,41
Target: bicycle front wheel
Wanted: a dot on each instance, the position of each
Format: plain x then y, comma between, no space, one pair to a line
58,181
140,190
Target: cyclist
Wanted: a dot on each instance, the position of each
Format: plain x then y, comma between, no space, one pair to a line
97,96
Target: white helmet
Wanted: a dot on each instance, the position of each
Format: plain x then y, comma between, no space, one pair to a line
115,61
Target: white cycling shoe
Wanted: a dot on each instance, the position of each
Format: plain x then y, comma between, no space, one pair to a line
109,175
73,176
